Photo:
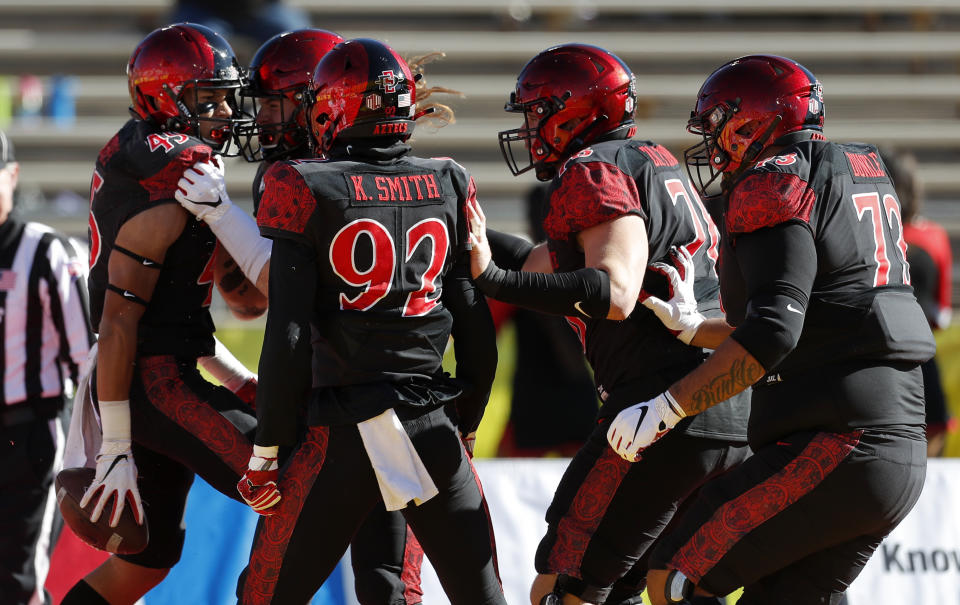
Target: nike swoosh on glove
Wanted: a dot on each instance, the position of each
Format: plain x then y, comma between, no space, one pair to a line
258,486
116,475
638,426
679,314
203,192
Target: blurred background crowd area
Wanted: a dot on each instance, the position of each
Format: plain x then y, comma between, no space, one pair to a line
890,71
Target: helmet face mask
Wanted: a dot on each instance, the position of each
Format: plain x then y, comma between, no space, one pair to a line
707,160
570,95
180,72
535,114
199,104
746,106
279,126
279,76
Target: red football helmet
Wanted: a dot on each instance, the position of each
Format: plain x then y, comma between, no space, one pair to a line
179,59
361,89
745,106
282,69
571,95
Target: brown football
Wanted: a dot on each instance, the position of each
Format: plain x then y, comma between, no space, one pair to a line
126,538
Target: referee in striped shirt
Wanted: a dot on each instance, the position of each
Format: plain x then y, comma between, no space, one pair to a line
46,336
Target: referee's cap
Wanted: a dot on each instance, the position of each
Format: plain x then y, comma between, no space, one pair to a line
6,150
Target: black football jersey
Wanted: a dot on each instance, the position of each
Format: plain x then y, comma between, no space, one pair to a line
617,178
385,234
257,187
861,305
139,169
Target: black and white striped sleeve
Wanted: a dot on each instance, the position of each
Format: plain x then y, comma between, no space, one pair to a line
69,308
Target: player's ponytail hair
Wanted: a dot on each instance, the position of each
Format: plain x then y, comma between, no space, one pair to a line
441,114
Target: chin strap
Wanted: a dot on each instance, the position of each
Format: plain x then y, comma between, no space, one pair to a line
760,143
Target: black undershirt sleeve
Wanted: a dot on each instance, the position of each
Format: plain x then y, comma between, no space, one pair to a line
779,265
581,293
474,343
285,371
509,251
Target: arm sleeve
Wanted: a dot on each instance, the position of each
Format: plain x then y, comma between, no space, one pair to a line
509,251
285,361
474,341
581,293
779,265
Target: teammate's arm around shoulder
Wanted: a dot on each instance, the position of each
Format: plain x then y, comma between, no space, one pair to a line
618,247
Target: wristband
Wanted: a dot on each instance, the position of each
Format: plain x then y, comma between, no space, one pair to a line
115,420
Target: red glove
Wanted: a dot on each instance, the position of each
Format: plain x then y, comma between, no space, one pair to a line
258,486
248,392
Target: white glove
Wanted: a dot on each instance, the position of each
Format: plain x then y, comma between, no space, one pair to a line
679,314
202,191
638,426
116,472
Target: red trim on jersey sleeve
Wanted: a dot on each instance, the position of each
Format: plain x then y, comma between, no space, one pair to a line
590,193
109,150
163,184
287,202
766,199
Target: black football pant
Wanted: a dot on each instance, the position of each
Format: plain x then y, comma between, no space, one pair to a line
607,512
183,425
29,520
798,520
329,489
386,559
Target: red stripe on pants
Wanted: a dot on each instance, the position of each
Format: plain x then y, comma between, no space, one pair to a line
739,516
586,511
274,535
168,393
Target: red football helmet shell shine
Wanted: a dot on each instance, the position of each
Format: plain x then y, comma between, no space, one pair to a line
571,95
361,89
169,60
283,67
746,105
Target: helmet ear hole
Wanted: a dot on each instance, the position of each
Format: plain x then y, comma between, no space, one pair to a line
749,129
570,125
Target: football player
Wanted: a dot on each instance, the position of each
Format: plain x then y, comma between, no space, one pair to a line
369,277
150,286
816,281
616,206
386,557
